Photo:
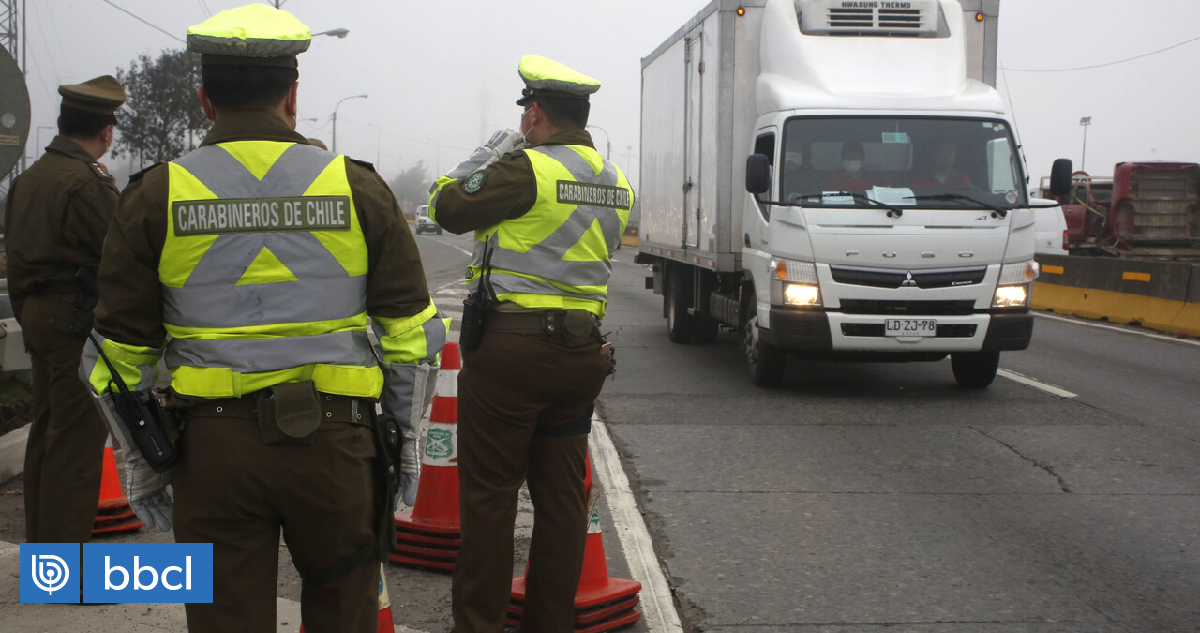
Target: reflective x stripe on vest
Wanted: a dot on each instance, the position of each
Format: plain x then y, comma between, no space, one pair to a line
264,270
561,246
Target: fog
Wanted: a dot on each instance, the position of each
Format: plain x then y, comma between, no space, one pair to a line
441,76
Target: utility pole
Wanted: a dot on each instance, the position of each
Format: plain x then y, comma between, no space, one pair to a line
1085,122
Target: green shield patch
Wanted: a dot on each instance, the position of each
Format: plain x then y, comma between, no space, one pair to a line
474,182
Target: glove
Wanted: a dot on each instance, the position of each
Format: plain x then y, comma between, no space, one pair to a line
145,489
410,471
501,143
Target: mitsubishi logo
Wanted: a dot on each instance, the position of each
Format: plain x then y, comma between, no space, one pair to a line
909,281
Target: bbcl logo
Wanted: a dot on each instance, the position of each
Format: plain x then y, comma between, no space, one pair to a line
117,572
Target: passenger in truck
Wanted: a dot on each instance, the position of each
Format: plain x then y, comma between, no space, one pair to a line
943,175
851,177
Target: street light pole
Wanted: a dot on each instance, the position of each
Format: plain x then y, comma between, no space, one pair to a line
607,140
1085,122
335,109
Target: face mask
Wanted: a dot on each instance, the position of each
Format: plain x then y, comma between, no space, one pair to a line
521,124
851,166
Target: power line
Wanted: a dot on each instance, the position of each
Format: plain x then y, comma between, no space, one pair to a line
1119,61
139,19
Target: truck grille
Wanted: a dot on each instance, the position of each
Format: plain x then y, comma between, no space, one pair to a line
876,278
914,308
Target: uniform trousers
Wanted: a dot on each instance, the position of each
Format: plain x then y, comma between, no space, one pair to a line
233,491
512,390
65,452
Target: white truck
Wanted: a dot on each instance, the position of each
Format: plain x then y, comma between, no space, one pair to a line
795,184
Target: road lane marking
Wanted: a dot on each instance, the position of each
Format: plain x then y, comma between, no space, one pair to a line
454,246
1029,382
1114,328
658,607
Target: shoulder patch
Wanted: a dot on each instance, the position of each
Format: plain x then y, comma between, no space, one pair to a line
138,176
362,163
474,182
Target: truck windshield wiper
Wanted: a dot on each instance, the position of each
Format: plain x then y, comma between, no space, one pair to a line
1000,211
893,211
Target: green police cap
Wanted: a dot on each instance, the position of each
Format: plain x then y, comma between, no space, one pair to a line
102,95
253,35
547,78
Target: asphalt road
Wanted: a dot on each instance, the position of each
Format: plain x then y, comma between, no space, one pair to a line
866,497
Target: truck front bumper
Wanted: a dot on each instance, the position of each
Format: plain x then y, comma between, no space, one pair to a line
816,331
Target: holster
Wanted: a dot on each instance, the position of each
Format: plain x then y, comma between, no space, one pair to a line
388,441
85,303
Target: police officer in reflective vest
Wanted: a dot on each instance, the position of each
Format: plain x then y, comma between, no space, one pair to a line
546,219
266,259
57,214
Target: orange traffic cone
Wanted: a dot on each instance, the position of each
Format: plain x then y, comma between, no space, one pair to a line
113,514
385,607
601,603
430,535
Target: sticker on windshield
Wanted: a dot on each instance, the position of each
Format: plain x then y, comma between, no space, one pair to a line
895,137
1011,197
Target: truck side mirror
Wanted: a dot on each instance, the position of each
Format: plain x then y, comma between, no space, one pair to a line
758,174
1060,177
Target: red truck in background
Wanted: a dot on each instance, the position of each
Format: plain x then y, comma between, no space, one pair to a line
1147,210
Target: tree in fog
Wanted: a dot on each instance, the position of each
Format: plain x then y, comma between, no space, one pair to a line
411,187
162,117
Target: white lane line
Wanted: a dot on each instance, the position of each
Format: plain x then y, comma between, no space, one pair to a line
658,607
1114,328
454,246
1027,381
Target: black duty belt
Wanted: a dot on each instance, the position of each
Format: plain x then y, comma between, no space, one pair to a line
546,322
58,287
334,408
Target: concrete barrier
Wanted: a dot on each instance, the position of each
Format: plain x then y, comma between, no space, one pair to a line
1160,295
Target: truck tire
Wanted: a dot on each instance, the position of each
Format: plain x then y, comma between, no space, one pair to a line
765,362
678,299
974,370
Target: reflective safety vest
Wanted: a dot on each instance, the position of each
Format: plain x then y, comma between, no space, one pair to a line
264,273
556,256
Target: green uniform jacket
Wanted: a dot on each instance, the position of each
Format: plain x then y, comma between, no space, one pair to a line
130,309
58,212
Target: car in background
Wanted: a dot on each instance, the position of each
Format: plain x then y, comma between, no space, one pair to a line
1050,228
424,224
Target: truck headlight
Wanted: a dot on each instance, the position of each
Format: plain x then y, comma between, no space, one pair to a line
1011,296
1023,272
801,295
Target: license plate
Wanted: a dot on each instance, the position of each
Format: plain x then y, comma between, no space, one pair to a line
910,327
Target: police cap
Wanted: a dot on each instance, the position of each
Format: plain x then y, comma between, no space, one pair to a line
102,95
547,78
253,35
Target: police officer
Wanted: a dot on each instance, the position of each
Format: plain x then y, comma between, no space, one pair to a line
265,258
546,221
58,212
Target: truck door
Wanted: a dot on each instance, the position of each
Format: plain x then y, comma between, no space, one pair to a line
693,111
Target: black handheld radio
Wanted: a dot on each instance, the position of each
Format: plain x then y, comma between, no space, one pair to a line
144,420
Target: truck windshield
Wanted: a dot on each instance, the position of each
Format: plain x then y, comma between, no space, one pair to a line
902,161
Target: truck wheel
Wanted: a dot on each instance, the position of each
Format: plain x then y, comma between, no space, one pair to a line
975,370
679,299
765,361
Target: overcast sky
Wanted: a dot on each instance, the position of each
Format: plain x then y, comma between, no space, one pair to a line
441,74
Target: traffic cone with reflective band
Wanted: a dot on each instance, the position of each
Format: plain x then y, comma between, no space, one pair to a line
429,535
113,513
385,607
601,603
